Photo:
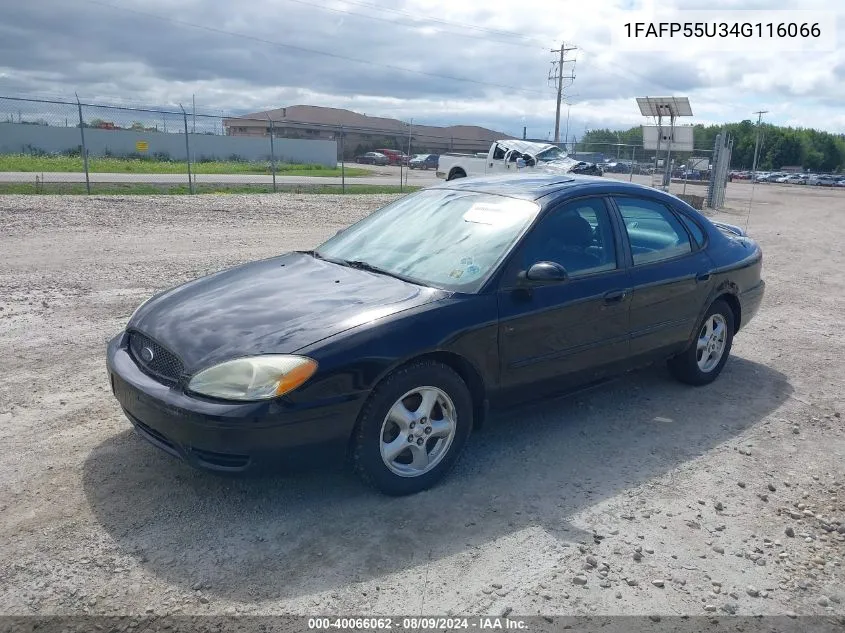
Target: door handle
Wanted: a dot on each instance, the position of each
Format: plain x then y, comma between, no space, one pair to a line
615,296
702,276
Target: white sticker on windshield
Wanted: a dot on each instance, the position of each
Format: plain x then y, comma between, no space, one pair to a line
513,212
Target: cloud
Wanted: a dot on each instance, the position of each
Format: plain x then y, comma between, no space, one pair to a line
242,57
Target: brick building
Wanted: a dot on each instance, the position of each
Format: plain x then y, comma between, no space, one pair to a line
362,133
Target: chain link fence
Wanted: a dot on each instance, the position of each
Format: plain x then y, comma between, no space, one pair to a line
78,147
699,177
57,146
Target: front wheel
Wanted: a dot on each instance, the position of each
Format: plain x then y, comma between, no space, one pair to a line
703,361
413,428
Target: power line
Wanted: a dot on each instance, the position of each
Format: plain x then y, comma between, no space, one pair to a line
418,21
312,51
461,25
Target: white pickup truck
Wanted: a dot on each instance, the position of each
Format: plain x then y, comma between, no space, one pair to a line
513,156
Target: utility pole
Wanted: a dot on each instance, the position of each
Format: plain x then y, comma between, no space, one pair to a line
557,74
759,114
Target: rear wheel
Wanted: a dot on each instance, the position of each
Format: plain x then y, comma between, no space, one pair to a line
456,173
413,428
703,361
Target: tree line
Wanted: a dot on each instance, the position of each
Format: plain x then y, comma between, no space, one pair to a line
810,149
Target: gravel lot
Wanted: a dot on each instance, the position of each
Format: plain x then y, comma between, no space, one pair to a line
642,497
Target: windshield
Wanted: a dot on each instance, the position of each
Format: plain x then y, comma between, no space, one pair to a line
439,237
553,153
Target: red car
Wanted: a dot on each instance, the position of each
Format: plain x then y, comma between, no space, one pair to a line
394,156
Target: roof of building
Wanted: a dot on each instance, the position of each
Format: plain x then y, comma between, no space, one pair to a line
334,117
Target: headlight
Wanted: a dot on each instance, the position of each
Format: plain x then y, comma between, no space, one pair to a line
254,378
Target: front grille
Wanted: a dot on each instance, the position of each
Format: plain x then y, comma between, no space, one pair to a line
164,365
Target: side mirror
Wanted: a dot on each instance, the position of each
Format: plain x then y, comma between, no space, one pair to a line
520,163
543,273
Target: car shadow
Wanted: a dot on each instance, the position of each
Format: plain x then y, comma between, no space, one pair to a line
283,536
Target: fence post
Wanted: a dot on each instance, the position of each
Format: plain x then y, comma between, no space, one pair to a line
84,148
187,149
272,152
633,153
407,171
342,163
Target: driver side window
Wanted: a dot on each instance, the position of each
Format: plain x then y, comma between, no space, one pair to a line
577,235
499,153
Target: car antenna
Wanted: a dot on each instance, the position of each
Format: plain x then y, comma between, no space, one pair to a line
750,202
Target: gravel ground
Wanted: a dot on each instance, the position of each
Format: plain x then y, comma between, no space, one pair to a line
642,497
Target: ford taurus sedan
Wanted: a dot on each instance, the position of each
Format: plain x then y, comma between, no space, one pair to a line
390,342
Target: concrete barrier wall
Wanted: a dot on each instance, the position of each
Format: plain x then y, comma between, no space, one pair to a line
17,138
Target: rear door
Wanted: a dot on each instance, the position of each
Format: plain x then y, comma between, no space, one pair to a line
671,275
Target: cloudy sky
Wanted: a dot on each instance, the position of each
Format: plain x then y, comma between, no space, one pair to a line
433,61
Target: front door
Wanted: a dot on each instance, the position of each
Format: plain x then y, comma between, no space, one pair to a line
565,332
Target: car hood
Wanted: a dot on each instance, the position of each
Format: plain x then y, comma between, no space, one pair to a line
276,305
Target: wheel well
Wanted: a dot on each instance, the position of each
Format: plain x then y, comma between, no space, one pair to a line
455,171
468,373
735,307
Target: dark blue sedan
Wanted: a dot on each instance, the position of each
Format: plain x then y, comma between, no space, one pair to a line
424,161
391,341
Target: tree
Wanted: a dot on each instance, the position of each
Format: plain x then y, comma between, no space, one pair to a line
780,146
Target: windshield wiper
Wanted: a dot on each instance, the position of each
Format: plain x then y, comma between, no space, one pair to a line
313,254
361,265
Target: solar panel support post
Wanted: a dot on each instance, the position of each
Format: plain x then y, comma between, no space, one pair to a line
667,174
657,151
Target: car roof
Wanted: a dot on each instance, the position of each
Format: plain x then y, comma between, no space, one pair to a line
534,187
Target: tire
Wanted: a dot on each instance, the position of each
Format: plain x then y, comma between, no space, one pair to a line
379,453
456,173
703,361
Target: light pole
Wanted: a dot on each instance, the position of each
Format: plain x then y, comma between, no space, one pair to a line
566,137
759,114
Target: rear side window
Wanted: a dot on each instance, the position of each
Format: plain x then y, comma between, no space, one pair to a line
694,230
654,232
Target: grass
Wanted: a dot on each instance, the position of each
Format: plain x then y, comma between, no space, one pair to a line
58,188
25,162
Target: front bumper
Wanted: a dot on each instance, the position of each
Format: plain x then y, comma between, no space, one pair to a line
227,436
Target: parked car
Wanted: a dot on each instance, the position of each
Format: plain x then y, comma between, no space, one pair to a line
372,158
390,341
394,156
424,161
825,180
839,183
